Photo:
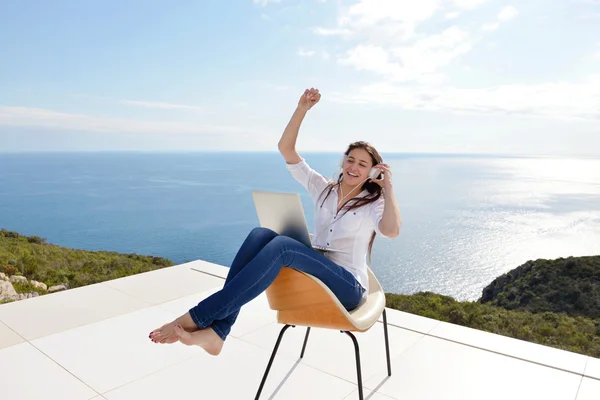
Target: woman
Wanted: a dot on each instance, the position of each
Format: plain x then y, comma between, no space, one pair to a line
348,215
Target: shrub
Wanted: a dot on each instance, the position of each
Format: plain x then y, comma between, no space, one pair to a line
36,239
9,269
570,285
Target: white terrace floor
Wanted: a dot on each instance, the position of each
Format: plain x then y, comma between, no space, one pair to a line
92,343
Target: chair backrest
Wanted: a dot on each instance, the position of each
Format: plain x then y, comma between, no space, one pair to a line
374,285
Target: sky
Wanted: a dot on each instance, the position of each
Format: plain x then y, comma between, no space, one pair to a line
433,76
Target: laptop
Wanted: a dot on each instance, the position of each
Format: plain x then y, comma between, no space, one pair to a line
283,213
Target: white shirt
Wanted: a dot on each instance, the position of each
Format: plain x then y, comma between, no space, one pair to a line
349,231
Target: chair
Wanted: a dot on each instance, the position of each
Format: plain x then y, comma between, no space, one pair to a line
303,300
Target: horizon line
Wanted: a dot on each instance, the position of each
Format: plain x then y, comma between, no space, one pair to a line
445,154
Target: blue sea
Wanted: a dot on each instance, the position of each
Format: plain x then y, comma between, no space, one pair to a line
466,219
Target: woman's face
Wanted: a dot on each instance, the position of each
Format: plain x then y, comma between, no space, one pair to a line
357,166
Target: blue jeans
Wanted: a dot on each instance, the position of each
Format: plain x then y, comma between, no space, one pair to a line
255,267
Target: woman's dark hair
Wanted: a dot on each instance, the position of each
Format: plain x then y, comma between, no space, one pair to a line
373,188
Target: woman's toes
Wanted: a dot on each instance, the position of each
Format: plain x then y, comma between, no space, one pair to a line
157,336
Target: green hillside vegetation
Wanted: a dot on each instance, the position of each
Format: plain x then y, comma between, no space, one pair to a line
37,260
576,334
570,286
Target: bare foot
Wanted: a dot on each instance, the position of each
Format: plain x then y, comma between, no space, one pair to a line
166,333
205,338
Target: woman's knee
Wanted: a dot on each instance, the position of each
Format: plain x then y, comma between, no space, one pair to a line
284,242
259,231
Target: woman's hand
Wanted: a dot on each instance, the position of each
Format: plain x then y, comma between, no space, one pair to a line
309,98
386,182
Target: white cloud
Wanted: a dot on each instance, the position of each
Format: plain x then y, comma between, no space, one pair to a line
383,38
564,100
466,5
265,2
469,4
369,58
419,61
508,13
161,105
306,53
37,117
380,20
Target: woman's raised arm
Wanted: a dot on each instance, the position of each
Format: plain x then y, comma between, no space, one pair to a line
287,143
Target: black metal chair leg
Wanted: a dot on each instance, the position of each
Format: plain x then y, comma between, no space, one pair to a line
305,340
264,379
387,343
358,372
